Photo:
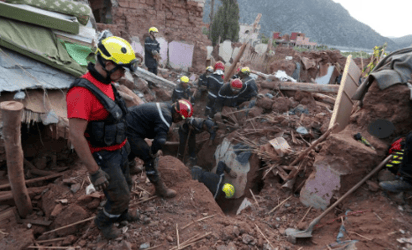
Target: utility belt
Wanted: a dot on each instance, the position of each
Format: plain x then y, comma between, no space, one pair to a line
112,130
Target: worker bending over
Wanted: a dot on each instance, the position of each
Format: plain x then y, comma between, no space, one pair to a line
152,121
215,182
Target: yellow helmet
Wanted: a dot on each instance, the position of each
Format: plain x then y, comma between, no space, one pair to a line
184,79
119,51
153,29
229,190
209,69
245,70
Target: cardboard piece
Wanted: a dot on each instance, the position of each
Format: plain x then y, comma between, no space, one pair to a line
348,86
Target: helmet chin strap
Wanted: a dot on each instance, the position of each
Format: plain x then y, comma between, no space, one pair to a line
107,80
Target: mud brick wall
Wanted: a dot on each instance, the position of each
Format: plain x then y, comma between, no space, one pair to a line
177,20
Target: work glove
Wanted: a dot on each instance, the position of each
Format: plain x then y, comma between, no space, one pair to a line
100,179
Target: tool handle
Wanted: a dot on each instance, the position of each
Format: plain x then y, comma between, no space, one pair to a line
317,219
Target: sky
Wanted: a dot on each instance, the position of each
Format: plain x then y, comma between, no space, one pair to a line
391,18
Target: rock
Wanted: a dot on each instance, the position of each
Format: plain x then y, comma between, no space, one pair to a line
163,95
247,239
236,231
69,240
265,103
75,187
227,233
125,245
231,246
84,200
281,105
72,214
57,210
146,220
150,210
169,238
373,186
40,213
221,247
144,245
386,175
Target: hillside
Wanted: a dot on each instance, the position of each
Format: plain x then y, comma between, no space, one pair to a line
324,21
404,41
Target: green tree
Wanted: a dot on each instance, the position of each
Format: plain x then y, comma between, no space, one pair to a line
226,22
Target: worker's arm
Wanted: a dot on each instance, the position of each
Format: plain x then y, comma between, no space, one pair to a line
77,127
222,167
98,177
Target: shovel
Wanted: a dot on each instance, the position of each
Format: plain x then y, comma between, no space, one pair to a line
292,233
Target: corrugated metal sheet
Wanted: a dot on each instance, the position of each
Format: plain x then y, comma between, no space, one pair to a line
19,72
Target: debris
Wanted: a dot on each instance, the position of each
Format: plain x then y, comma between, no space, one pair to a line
70,225
245,204
302,130
90,189
34,180
264,236
280,204
281,75
7,213
281,146
257,203
201,219
362,139
75,187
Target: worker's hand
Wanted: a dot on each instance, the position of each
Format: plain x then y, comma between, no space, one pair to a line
100,179
232,174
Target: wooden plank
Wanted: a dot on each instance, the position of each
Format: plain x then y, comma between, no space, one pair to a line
343,105
149,76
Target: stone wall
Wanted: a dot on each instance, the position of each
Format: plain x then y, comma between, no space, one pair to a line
177,20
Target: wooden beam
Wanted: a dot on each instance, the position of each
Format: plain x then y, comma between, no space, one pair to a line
324,98
150,77
232,67
11,112
308,87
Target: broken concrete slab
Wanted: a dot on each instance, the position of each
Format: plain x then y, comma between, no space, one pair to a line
180,55
226,50
164,46
237,162
209,52
329,77
343,105
261,48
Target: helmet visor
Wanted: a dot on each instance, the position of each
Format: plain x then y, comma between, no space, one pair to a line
132,66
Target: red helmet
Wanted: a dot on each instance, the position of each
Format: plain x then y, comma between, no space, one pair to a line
184,108
219,65
236,84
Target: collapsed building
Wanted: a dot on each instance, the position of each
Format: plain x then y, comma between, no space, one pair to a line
292,160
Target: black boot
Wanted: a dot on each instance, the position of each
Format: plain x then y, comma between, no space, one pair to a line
105,225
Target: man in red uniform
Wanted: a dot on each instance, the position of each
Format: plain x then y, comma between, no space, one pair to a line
97,126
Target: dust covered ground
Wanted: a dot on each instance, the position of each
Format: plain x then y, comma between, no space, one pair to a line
193,220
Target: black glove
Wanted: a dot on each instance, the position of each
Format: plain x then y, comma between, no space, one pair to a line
211,128
100,179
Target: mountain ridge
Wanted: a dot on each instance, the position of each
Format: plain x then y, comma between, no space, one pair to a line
324,21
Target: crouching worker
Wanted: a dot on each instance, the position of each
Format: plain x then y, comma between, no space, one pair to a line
215,182
97,128
402,154
187,136
152,121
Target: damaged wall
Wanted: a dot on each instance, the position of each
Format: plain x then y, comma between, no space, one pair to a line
177,20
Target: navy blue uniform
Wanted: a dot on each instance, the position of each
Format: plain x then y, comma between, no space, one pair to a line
213,181
151,45
214,83
152,121
180,93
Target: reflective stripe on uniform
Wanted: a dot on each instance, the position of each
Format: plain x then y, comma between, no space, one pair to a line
211,94
217,188
161,115
111,215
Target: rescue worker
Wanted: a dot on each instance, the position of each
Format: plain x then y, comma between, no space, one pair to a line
187,135
183,91
404,175
97,129
250,89
229,94
214,83
151,52
215,182
203,77
152,121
